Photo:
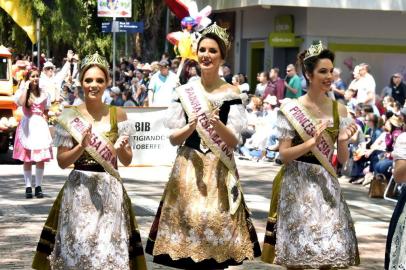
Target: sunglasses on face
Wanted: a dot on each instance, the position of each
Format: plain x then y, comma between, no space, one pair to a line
288,70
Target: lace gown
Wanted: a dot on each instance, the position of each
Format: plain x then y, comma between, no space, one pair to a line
193,228
314,227
395,257
92,224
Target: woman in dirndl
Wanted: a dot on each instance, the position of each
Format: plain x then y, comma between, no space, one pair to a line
91,224
396,241
309,223
33,141
202,221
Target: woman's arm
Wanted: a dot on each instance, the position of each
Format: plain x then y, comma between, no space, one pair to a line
180,135
67,156
225,133
122,145
344,136
287,152
21,99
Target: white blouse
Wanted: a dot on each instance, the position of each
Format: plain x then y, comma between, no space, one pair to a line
237,118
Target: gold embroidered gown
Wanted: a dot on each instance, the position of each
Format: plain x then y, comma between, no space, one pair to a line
91,224
309,225
193,228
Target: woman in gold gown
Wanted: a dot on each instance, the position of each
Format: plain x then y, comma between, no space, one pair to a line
196,226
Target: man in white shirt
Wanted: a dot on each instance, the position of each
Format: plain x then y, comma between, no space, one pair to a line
162,86
366,88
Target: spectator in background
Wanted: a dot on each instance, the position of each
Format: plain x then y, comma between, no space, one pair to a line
263,83
162,85
227,75
141,96
387,90
388,103
366,88
115,94
78,96
244,86
106,98
193,73
293,88
146,73
128,99
236,81
338,86
174,65
350,99
276,86
398,88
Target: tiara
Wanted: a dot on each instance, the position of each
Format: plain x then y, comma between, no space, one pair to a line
314,50
95,58
218,31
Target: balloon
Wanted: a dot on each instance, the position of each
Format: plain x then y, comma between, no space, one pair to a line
178,8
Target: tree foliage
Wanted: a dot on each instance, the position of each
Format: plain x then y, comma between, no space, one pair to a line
73,24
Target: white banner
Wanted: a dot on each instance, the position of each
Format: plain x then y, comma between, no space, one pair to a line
114,8
150,143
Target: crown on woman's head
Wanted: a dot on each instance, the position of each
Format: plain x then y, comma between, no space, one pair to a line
314,50
95,58
218,31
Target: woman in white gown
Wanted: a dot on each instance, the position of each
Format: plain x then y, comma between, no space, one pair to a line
91,224
309,223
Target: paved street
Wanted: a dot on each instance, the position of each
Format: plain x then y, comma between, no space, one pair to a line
21,220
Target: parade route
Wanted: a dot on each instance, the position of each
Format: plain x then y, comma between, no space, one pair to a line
21,219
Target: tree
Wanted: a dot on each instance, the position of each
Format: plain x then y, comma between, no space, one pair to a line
73,24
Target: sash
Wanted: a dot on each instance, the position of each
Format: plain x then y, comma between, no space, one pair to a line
306,127
194,102
100,147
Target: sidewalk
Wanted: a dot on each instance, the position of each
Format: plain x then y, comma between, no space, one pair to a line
21,219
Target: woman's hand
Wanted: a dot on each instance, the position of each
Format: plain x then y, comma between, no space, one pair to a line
320,127
122,142
346,133
192,122
87,135
214,118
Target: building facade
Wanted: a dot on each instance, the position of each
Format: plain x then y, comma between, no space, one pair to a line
270,33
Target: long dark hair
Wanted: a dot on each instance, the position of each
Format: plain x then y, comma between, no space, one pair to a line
309,64
35,90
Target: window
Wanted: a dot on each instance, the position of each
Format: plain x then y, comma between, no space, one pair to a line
3,68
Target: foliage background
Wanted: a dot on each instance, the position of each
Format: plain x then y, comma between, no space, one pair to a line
73,24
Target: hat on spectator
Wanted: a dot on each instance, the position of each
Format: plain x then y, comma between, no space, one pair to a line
163,63
115,90
271,100
48,65
396,121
